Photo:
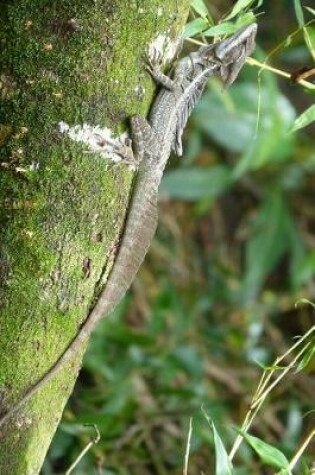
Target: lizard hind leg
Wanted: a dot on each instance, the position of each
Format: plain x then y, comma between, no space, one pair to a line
115,148
142,136
138,127
144,139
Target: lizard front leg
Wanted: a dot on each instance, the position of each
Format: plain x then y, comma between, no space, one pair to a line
153,66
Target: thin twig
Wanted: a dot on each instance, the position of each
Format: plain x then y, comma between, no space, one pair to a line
298,454
185,470
279,72
268,374
281,376
263,389
86,449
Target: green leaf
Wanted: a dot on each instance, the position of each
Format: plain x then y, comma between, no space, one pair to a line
306,118
299,13
270,367
191,184
226,28
195,27
271,238
267,453
271,141
245,19
306,269
309,35
238,7
223,465
308,357
200,7
237,110
188,358
311,10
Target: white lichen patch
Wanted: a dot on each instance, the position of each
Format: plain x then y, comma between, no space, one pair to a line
34,166
139,91
163,47
97,139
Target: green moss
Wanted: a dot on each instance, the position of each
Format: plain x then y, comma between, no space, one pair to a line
78,62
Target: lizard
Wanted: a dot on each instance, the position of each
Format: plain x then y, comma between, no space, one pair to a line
152,142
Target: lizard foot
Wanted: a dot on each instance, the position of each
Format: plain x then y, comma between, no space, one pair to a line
154,61
123,150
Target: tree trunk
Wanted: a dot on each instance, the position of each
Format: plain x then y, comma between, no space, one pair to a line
62,64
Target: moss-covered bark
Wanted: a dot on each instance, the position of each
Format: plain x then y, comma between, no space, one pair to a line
62,209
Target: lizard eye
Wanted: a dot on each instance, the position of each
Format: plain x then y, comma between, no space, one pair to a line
217,61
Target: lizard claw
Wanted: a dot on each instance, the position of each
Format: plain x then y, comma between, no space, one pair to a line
125,151
122,150
153,59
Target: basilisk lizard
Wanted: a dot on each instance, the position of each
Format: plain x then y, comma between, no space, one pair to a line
152,143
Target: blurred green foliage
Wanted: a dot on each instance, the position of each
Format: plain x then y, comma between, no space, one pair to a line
233,253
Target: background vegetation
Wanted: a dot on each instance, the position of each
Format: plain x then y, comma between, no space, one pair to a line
233,253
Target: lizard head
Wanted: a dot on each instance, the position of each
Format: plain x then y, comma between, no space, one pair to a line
231,53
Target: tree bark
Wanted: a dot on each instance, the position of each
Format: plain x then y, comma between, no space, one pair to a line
62,206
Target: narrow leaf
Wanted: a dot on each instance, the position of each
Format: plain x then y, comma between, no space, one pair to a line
267,453
223,465
200,7
195,183
309,35
306,118
226,28
270,239
311,10
308,357
195,27
238,7
299,13
245,19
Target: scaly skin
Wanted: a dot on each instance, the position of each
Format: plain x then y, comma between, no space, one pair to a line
152,145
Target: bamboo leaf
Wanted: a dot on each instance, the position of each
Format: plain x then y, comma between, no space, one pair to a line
308,357
200,7
195,27
311,10
226,28
270,238
309,35
267,453
223,465
306,118
238,7
299,13
195,183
